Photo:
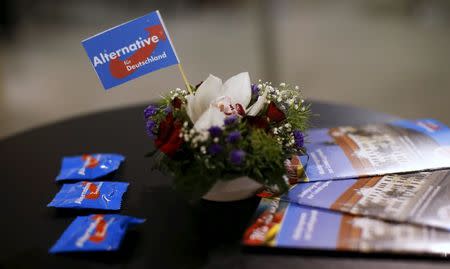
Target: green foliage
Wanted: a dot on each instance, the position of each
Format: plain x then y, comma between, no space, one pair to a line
299,119
266,164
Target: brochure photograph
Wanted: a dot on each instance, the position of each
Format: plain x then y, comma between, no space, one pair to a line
280,224
374,149
422,198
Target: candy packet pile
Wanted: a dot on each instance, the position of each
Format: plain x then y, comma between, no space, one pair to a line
94,232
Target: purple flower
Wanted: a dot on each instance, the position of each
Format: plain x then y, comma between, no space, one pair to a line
215,131
255,89
237,156
151,110
215,149
299,138
149,128
234,137
230,120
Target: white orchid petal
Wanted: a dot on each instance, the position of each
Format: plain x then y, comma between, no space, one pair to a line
254,109
208,91
238,88
212,117
190,108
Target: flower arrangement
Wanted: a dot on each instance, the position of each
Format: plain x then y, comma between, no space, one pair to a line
217,132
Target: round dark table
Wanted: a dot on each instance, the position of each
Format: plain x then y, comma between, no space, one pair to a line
176,234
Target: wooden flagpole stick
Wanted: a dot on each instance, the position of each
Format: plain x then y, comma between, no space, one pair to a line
188,86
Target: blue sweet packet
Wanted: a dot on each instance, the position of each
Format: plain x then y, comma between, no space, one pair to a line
95,233
105,195
89,166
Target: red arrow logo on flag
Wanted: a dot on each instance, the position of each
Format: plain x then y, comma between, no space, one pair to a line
118,68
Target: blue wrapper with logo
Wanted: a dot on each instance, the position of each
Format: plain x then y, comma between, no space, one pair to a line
95,233
89,166
94,195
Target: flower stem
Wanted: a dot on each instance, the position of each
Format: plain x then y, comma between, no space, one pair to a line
185,78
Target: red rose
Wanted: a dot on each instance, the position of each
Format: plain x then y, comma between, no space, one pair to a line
176,103
258,122
274,113
169,140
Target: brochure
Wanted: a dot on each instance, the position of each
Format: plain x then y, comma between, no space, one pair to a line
280,224
371,150
422,198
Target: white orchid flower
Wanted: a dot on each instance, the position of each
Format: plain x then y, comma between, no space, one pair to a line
214,100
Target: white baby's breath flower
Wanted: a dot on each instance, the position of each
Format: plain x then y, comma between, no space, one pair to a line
203,136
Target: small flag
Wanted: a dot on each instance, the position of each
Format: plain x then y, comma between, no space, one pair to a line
131,50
